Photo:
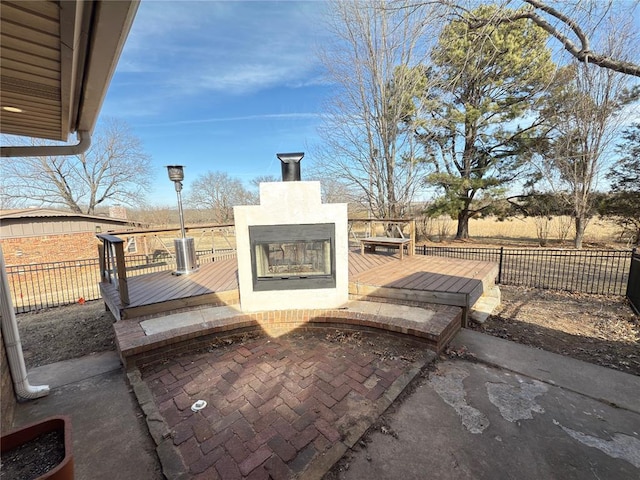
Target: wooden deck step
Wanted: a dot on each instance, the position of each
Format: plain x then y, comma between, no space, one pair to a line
426,279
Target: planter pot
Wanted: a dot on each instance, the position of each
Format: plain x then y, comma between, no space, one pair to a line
23,440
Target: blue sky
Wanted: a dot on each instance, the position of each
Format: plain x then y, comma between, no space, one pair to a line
220,86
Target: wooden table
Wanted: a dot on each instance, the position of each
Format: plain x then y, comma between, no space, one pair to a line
373,242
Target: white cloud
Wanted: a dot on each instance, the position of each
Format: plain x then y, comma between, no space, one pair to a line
268,116
230,47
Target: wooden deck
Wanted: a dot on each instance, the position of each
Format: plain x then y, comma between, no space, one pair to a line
416,278
423,279
415,281
212,284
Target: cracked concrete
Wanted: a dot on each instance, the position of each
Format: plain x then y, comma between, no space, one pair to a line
487,420
447,382
516,402
620,446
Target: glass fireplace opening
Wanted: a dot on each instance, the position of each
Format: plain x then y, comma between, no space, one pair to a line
292,256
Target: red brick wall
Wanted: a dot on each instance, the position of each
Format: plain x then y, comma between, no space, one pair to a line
50,248
7,395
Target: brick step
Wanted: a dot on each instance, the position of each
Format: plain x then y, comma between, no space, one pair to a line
151,339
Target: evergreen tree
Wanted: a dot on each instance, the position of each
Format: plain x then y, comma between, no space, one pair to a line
483,126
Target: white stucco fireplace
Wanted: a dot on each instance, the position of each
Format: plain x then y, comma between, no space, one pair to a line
292,249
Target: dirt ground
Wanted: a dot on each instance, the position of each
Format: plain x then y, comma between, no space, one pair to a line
593,328
596,329
62,333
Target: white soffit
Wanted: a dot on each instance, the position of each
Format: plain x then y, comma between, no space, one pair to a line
56,62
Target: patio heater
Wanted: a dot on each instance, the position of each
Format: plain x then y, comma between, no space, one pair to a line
186,260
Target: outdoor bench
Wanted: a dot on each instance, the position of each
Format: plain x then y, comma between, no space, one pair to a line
370,243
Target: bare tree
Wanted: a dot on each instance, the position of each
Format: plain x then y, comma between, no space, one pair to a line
155,215
335,190
588,114
624,201
575,23
367,142
255,182
218,193
114,169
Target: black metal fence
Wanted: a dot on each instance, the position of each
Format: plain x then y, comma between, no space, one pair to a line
602,272
44,285
633,287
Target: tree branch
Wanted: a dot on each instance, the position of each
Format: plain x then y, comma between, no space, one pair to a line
581,52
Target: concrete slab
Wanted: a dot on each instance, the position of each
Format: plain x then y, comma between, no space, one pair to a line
71,371
610,386
415,314
484,307
110,438
474,421
188,318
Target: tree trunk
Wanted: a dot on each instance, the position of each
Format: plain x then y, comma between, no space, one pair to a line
463,225
581,225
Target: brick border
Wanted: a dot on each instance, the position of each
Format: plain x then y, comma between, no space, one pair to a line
135,347
321,465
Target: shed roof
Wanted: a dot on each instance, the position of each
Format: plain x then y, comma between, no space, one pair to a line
52,213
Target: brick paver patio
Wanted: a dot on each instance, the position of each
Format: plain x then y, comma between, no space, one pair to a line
278,407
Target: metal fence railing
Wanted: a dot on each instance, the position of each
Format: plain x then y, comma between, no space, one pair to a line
602,272
45,285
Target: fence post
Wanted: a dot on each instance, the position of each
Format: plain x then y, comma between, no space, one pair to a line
412,236
500,266
630,276
121,268
101,260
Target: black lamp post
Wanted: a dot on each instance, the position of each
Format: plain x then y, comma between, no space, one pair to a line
186,259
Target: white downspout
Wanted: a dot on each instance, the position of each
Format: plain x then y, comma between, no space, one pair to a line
11,338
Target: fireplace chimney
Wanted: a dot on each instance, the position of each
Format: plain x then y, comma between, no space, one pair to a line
290,166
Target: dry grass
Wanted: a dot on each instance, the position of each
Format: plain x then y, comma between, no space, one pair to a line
556,230
594,328
204,239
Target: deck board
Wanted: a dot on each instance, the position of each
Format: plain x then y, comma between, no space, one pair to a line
444,280
422,272
163,286
360,263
